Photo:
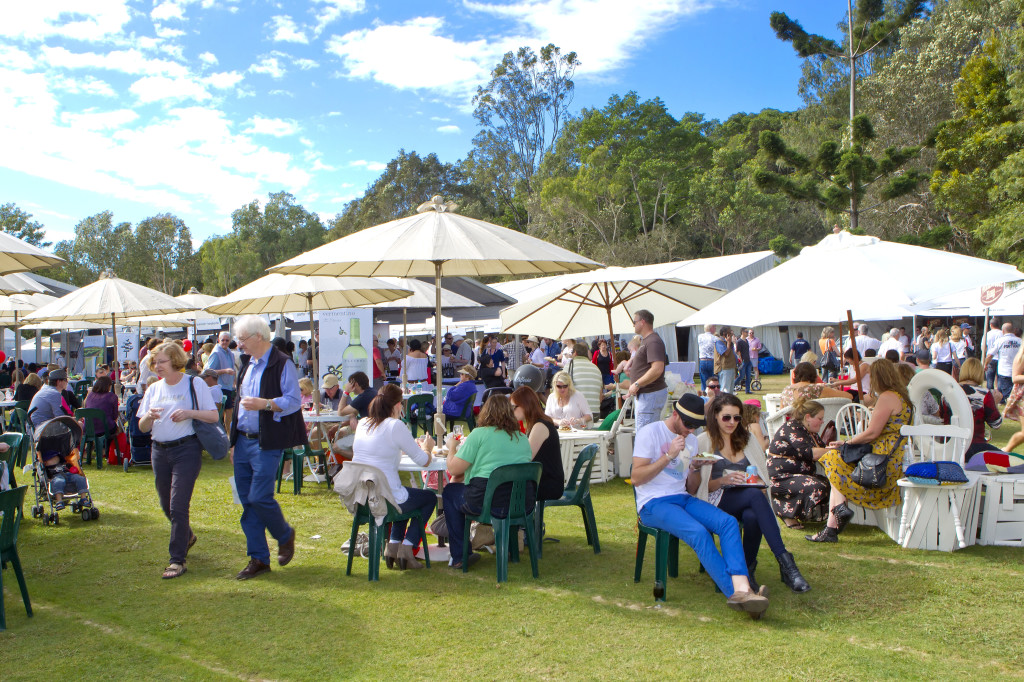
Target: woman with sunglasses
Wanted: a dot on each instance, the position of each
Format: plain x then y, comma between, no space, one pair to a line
543,436
726,487
567,406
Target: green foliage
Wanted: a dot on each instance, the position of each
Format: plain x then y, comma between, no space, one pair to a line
783,246
520,112
16,222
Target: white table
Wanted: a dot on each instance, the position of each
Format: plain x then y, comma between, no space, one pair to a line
573,442
329,417
1002,511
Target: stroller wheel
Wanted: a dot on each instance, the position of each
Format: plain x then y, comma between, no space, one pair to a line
86,515
127,464
46,520
95,513
37,511
755,385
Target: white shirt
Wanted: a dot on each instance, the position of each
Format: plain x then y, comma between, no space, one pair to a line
960,347
171,398
990,339
576,408
1005,350
706,346
891,343
653,441
145,372
866,343
216,394
383,446
942,352
905,343
537,358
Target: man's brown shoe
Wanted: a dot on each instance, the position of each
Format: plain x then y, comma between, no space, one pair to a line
286,550
255,568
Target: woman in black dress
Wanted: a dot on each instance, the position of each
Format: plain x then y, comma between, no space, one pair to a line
797,492
543,436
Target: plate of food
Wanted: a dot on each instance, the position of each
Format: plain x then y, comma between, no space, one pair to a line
705,457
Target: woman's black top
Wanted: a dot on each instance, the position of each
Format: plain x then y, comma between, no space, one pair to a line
552,477
25,392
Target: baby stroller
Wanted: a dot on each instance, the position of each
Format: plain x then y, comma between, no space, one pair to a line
60,435
140,443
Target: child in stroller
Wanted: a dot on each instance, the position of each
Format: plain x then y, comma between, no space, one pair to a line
56,477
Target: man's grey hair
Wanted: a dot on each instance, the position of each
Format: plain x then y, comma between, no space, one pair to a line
862,329
710,328
224,335
895,333
252,325
646,316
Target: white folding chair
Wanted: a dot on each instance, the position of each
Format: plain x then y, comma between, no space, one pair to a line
772,401
931,517
851,419
774,421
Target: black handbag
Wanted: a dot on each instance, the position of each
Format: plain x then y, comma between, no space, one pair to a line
853,452
870,469
211,436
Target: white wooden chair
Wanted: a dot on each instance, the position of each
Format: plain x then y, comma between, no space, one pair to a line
774,421
933,517
1002,513
851,419
772,401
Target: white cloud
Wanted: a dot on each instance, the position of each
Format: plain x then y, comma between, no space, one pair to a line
89,85
449,130
306,142
260,125
440,119
286,31
130,61
368,165
99,120
168,33
157,88
414,55
270,66
318,165
224,79
333,9
15,58
94,21
305,64
167,10
208,58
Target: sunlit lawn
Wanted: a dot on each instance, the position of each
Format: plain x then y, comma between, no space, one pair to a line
102,611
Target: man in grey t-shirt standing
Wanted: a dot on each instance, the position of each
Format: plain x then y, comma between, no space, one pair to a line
647,371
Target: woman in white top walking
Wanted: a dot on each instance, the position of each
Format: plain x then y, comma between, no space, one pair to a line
381,438
167,412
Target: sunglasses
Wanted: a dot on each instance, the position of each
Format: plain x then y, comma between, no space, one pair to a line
713,387
561,386
730,417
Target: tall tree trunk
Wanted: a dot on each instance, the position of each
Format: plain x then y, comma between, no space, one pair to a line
853,112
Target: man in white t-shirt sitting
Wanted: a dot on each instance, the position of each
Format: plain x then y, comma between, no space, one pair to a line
665,478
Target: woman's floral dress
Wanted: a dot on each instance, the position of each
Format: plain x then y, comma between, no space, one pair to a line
797,492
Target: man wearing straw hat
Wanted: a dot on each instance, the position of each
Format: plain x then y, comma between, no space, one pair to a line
267,420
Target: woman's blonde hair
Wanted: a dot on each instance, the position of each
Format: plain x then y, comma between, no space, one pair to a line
955,333
305,386
565,378
804,406
826,331
972,370
33,379
940,336
174,352
885,376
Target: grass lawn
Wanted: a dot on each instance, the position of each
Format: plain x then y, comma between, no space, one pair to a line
102,612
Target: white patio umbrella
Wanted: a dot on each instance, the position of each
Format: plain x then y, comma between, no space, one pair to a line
845,272
198,301
277,293
17,255
108,299
11,307
17,283
591,303
436,242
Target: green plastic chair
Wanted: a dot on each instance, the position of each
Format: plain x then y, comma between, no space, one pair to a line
298,456
666,557
17,455
577,494
82,389
93,441
466,417
220,408
11,502
19,421
506,543
379,535
23,405
420,419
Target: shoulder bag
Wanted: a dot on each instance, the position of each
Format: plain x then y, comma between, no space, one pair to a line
211,436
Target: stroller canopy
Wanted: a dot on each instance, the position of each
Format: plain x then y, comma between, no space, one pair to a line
60,433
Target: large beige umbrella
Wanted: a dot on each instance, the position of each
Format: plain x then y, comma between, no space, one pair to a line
17,283
279,294
437,242
590,303
108,299
198,301
17,255
11,307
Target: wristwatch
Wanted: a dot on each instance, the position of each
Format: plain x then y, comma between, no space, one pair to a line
269,407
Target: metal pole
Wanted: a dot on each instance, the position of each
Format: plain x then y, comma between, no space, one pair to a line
439,428
316,363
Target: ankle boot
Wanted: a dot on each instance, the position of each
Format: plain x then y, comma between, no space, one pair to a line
391,554
790,574
826,534
755,587
843,515
406,559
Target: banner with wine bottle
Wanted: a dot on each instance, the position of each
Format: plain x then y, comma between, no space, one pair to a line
346,342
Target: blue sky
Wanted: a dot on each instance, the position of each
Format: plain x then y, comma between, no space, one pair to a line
196,107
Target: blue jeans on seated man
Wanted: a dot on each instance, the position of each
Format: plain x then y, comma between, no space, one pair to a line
423,499
693,521
255,477
707,370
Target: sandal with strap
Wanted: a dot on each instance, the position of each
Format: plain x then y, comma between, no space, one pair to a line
173,571
796,525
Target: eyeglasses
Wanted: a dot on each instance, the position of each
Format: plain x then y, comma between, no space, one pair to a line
561,386
730,417
246,338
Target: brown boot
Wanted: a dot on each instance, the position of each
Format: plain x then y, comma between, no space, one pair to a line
391,554
406,559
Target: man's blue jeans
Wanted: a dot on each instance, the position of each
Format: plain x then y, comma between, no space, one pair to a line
707,370
255,476
746,372
693,521
990,374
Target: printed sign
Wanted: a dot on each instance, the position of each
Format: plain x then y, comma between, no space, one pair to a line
346,340
991,294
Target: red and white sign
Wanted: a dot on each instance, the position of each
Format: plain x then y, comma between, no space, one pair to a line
991,294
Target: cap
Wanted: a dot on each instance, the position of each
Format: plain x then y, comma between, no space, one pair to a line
923,354
446,347
330,381
468,371
532,339
691,408
212,373
57,375
456,338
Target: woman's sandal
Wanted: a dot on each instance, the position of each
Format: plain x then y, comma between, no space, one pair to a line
796,525
173,571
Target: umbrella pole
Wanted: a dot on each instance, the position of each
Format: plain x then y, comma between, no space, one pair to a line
611,346
856,364
439,427
983,337
117,374
17,341
405,336
316,364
